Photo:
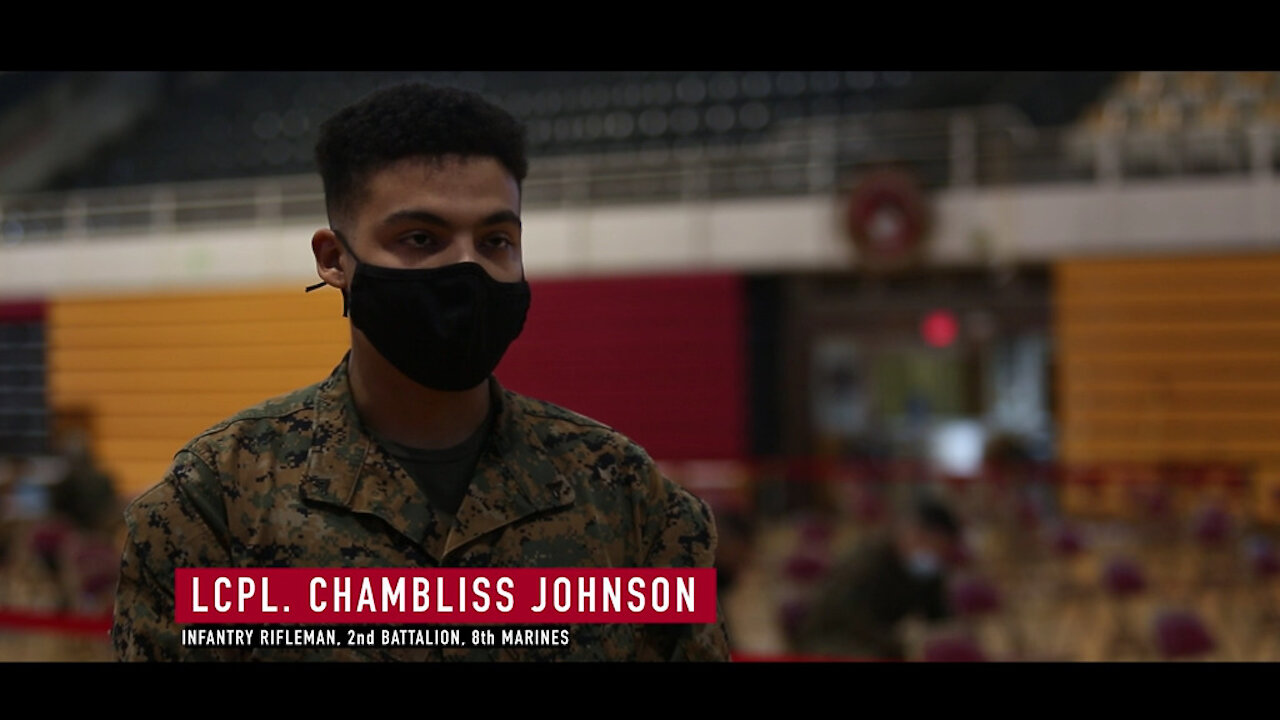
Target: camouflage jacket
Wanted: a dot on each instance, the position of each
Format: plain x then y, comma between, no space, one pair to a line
298,482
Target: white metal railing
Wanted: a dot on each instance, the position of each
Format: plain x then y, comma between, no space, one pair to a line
957,147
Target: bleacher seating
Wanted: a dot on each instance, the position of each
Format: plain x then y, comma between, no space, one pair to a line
1184,121
250,124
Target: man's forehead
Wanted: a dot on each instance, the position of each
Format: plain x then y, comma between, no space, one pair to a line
387,177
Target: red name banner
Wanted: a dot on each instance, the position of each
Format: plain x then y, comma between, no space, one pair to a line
446,595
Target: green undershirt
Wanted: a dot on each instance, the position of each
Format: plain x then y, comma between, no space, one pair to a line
443,475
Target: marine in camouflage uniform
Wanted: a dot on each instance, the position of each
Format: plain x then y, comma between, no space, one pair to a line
426,183
859,608
298,482
891,575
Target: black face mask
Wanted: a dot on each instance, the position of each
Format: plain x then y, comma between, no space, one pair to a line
445,328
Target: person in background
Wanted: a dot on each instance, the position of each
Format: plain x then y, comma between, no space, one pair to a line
859,608
85,502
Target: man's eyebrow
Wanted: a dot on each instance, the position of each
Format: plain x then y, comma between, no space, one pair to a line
429,217
503,216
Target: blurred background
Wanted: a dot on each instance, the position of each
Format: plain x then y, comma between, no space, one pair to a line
970,365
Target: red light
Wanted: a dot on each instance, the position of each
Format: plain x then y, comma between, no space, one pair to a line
939,328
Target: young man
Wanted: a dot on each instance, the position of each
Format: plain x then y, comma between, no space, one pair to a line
410,454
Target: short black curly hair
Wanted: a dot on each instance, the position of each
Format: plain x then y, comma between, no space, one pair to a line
411,120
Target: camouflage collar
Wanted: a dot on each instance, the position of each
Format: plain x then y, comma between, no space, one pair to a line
514,477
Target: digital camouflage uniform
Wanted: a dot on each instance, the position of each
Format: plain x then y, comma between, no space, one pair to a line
297,482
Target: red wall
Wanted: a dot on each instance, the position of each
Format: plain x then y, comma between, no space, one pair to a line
661,359
22,311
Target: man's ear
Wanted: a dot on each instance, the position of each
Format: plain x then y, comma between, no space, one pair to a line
328,252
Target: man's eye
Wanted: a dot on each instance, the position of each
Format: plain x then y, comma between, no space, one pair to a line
420,240
497,242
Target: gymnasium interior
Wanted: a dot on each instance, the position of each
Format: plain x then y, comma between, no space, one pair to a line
1049,301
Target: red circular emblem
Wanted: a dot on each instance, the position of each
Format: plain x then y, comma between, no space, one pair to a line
887,217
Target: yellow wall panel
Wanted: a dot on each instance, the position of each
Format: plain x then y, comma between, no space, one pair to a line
153,370
1173,359
151,427
209,306
216,405
207,335
70,384
243,357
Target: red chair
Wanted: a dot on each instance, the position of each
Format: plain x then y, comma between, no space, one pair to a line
974,597
1181,635
1067,545
97,565
1212,526
47,539
978,605
815,533
1212,529
805,567
1019,552
1123,580
801,573
1066,541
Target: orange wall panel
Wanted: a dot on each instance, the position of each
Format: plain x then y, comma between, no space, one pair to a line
154,370
1172,359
